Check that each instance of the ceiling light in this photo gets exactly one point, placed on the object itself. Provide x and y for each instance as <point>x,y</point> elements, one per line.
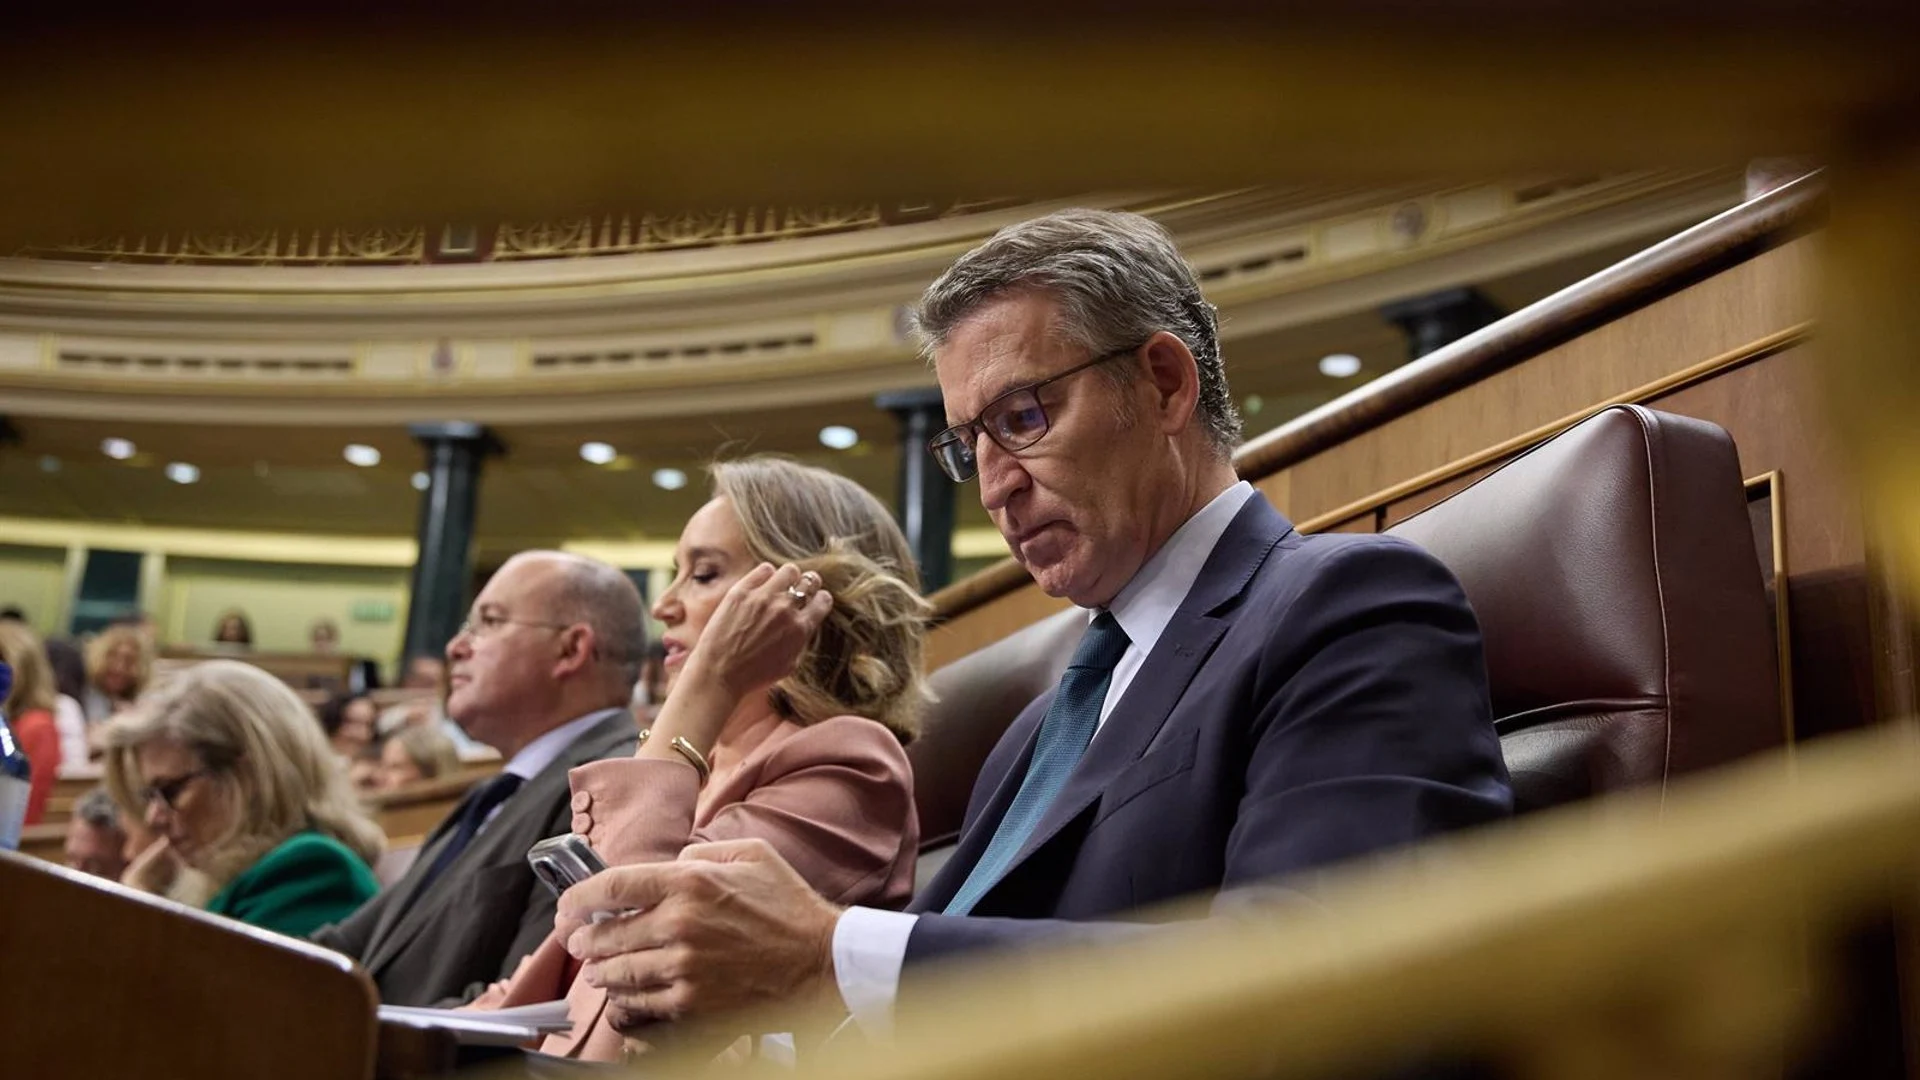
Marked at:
<point>362,455</point>
<point>1339,365</point>
<point>670,479</point>
<point>598,453</point>
<point>420,481</point>
<point>182,473</point>
<point>117,449</point>
<point>838,437</point>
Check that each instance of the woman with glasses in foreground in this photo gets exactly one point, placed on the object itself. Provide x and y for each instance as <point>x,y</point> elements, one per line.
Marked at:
<point>254,817</point>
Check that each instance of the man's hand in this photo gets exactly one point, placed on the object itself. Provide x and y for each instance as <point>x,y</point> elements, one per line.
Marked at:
<point>729,925</point>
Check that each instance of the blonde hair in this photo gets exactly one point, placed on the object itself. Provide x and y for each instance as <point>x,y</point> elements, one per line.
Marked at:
<point>33,686</point>
<point>866,658</point>
<point>430,749</point>
<point>110,639</point>
<point>261,742</point>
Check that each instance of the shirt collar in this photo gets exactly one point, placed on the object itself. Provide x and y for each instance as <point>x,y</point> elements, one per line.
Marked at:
<point>534,757</point>
<point>1146,605</point>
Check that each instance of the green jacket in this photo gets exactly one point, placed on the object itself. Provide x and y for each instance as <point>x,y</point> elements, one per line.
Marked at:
<point>310,880</point>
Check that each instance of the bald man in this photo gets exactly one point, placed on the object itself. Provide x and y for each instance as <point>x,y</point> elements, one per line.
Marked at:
<point>542,671</point>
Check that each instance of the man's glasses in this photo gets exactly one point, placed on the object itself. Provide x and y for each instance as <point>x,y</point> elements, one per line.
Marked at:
<point>484,623</point>
<point>166,791</point>
<point>1014,421</point>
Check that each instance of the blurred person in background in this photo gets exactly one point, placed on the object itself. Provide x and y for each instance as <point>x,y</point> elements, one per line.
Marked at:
<point>119,663</point>
<point>234,630</point>
<point>323,637</point>
<point>12,613</point>
<point>29,708</point>
<point>96,841</point>
<point>69,716</point>
<point>348,720</point>
<point>255,819</point>
<point>413,754</point>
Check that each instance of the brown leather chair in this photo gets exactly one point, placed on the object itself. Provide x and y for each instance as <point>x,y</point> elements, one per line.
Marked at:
<point>1615,576</point>
<point>1614,573</point>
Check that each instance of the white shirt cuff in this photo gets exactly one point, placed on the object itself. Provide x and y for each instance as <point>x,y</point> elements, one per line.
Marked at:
<point>869,949</point>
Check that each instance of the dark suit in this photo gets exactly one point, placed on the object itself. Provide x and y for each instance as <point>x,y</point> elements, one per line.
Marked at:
<point>486,911</point>
<point>1312,699</point>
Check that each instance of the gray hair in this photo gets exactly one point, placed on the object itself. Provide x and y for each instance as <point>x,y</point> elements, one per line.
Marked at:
<point>1118,279</point>
<point>595,593</point>
<point>98,809</point>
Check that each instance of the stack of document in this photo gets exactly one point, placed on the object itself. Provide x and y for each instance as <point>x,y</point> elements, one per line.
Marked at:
<point>489,1027</point>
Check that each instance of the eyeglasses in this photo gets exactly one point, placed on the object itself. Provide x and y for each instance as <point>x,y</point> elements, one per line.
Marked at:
<point>1014,421</point>
<point>168,790</point>
<point>484,623</point>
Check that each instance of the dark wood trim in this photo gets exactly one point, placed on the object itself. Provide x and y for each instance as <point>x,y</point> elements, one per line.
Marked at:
<point>1724,240</point>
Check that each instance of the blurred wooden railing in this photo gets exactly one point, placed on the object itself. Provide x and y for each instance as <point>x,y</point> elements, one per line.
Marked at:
<point>1699,939</point>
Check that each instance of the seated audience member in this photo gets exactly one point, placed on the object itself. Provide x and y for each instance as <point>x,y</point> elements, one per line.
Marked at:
<point>413,754</point>
<point>323,637</point>
<point>1247,703</point>
<point>542,672</point>
<point>792,693</point>
<point>428,673</point>
<point>96,841</point>
<point>119,663</point>
<point>12,613</point>
<point>255,821</point>
<point>652,692</point>
<point>234,630</point>
<point>69,716</point>
<point>29,708</point>
<point>348,721</point>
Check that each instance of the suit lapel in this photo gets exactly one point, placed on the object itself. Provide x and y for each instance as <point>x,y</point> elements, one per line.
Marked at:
<point>1184,646</point>
<point>974,839</point>
<point>504,841</point>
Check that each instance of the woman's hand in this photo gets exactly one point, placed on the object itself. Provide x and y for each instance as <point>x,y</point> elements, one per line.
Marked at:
<point>153,870</point>
<point>760,629</point>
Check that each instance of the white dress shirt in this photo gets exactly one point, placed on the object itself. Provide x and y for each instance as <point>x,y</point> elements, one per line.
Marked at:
<point>534,757</point>
<point>869,945</point>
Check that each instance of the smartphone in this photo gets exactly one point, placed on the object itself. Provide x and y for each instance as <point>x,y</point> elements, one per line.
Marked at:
<point>564,861</point>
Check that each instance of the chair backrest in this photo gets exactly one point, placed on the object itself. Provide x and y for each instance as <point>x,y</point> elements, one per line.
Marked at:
<point>1615,576</point>
<point>1614,573</point>
<point>103,981</point>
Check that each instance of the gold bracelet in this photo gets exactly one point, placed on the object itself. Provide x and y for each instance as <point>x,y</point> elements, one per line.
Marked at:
<point>694,757</point>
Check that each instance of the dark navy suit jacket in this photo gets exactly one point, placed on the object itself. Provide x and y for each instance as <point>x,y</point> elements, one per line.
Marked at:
<point>1314,698</point>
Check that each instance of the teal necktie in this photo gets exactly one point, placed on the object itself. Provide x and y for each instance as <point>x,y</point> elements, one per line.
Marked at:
<point>1064,735</point>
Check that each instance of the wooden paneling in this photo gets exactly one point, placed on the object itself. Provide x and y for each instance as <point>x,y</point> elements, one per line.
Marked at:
<point>988,623</point>
<point>1713,317</point>
<point>104,981</point>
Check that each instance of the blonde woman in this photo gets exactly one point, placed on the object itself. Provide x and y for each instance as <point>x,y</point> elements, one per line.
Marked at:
<point>29,707</point>
<point>793,635</point>
<point>413,754</point>
<point>119,662</point>
<point>254,816</point>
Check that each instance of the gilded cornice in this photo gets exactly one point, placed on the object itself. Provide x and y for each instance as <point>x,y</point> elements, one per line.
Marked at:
<point>793,321</point>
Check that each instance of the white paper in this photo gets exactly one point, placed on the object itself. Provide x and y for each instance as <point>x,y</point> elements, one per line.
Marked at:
<point>486,1027</point>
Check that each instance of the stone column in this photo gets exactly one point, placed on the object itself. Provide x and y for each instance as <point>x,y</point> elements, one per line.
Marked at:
<point>455,452</point>
<point>926,495</point>
<point>1441,318</point>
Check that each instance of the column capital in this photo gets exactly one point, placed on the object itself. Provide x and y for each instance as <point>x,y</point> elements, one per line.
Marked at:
<point>458,431</point>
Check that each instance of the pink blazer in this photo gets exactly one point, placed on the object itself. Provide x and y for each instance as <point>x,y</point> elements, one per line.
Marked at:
<point>835,799</point>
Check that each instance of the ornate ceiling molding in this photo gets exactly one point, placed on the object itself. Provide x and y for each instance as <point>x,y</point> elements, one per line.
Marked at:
<point>674,332</point>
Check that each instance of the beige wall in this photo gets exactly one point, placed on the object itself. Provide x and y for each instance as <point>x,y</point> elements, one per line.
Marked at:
<point>282,600</point>
<point>35,578</point>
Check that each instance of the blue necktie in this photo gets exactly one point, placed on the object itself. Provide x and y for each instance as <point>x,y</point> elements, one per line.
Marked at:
<point>1064,735</point>
<point>473,814</point>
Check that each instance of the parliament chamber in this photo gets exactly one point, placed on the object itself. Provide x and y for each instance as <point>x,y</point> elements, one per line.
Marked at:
<point>1609,318</point>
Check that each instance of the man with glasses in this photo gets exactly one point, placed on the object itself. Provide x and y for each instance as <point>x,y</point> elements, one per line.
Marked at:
<point>542,671</point>
<point>1247,704</point>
